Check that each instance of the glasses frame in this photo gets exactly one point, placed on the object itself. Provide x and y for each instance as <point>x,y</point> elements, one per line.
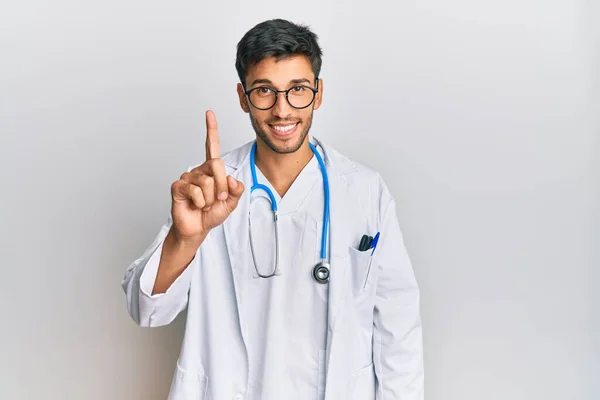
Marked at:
<point>287,92</point>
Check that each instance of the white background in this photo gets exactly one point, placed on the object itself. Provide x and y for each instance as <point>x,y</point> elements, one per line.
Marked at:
<point>483,117</point>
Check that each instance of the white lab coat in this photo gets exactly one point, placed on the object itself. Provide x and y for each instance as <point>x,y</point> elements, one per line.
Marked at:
<point>374,337</point>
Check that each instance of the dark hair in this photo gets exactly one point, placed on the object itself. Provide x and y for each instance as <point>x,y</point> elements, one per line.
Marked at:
<point>277,38</point>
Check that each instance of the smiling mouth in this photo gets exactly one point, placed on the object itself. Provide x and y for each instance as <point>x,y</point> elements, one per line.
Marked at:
<point>283,129</point>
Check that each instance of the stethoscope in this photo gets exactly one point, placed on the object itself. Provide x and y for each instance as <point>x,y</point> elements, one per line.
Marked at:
<point>320,272</point>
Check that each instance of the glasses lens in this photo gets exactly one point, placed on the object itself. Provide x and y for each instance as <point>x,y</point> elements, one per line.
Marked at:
<point>263,97</point>
<point>300,96</point>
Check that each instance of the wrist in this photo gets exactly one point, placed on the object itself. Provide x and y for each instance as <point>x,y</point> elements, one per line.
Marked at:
<point>184,243</point>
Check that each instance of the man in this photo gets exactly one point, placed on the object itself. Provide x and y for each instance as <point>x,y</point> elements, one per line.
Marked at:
<point>307,302</point>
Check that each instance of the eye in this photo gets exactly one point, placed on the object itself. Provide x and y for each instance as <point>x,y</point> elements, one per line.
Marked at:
<point>298,89</point>
<point>264,90</point>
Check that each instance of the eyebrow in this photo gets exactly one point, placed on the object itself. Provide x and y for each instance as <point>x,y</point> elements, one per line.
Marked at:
<point>293,81</point>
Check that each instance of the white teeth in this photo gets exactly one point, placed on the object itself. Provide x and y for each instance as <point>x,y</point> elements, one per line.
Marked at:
<point>283,129</point>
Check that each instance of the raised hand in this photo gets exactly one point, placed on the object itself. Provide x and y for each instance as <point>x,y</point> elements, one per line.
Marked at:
<point>205,196</point>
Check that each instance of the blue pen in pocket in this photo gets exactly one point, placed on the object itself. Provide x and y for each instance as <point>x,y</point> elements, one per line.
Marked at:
<point>373,246</point>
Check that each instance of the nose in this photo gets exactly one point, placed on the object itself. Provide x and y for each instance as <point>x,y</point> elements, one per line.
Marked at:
<point>282,108</point>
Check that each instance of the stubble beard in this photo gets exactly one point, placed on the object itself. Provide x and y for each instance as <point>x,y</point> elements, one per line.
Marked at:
<point>279,149</point>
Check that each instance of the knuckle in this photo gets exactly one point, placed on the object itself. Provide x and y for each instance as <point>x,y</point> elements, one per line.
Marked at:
<point>185,176</point>
<point>175,186</point>
<point>193,176</point>
<point>197,194</point>
<point>196,169</point>
<point>205,180</point>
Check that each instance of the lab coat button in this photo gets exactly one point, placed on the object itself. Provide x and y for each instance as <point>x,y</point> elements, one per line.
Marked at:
<point>238,397</point>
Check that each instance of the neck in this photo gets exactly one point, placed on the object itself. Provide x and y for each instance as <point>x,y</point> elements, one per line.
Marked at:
<point>282,169</point>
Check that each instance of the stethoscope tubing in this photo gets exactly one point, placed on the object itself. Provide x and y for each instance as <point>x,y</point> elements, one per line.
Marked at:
<point>325,227</point>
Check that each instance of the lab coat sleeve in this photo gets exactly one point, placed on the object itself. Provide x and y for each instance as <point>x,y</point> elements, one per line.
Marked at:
<point>397,334</point>
<point>150,310</point>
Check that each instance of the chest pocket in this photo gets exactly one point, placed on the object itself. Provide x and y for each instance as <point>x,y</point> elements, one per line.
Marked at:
<point>363,270</point>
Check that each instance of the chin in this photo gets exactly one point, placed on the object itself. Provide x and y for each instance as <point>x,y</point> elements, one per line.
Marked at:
<point>282,137</point>
<point>284,142</point>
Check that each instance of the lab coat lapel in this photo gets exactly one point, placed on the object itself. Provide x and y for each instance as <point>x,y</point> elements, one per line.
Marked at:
<point>342,210</point>
<point>236,228</point>
<point>339,235</point>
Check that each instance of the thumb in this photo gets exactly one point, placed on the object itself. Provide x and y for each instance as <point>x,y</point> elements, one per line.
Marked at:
<point>236,188</point>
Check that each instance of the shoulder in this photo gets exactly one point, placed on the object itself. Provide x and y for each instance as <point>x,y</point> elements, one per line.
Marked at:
<point>351,170</point>
<point>364,181</point>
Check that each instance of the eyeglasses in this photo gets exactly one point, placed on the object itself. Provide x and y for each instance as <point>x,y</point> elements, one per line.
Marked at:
<point>265,97</point>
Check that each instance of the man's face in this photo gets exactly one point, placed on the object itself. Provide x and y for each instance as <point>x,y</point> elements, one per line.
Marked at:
<point>283,128</point>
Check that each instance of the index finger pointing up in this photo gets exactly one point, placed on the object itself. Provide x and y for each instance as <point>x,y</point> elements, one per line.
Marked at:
<point>212,136</point>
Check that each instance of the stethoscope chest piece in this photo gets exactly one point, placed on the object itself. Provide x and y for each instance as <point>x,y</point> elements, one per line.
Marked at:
<point>320,272</point>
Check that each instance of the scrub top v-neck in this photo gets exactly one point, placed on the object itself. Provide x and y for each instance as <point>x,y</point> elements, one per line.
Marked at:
<point>288,312</point>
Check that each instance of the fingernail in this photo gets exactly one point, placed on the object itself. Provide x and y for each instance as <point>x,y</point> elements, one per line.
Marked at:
<point>223,196</point>
<point>234,183</point>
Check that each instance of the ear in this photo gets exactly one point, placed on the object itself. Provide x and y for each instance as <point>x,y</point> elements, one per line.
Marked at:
<point>243,99</point>
<point>319,95</point>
